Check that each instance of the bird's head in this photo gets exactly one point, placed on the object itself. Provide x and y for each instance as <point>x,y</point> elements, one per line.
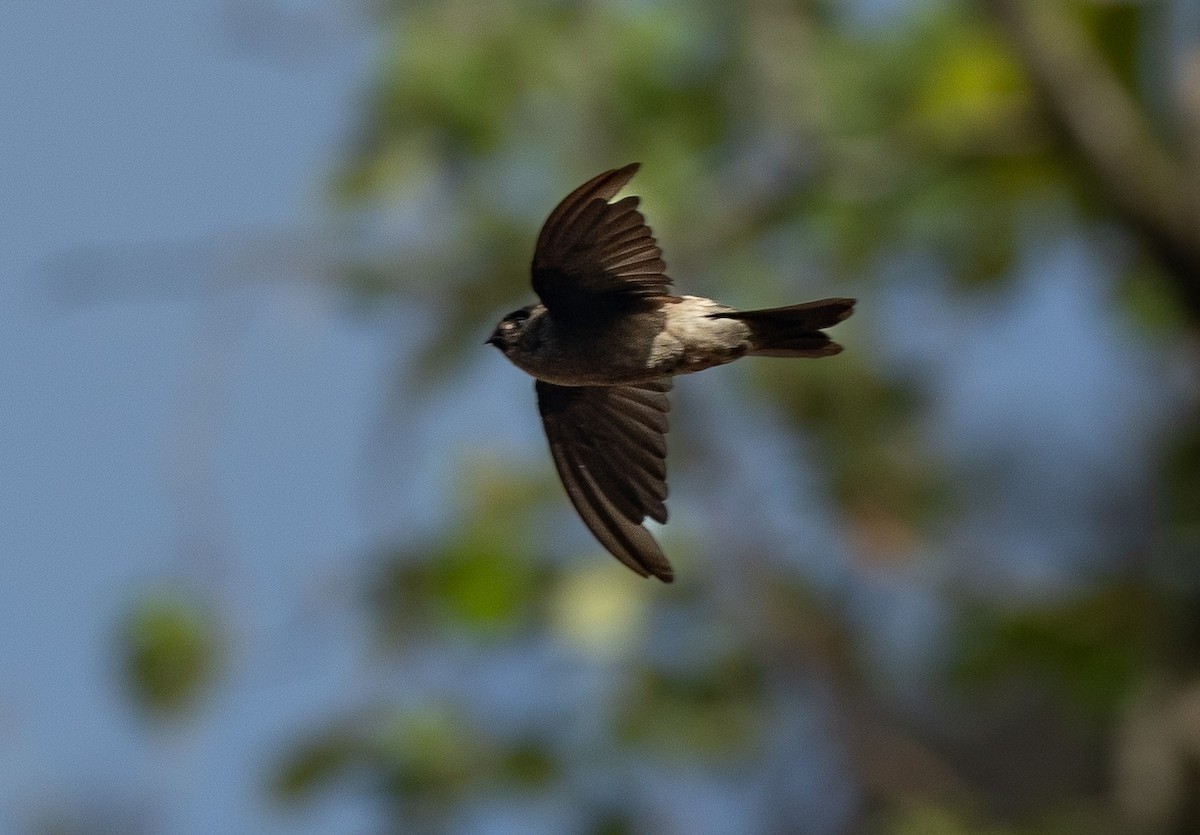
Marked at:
<point>508,332</point>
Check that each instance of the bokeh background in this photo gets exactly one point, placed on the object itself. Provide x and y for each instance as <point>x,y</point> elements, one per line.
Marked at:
<point>282,547</point>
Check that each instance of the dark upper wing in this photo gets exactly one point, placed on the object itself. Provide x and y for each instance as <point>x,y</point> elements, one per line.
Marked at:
<point>592,253</point>
<point>609,445</point>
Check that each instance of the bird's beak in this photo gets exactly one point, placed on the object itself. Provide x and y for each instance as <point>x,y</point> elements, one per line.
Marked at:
<point>492,340</point>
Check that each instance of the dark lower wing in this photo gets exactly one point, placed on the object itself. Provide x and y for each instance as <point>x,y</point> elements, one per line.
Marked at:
<point>609,446</point>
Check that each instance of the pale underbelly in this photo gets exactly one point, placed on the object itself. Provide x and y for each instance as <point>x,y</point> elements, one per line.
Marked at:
<point>683,341</point>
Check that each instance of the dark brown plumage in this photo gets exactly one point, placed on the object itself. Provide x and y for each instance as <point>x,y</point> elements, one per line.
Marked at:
<point>591,251</point>
<point>609,444</point>
<point>604,343</point>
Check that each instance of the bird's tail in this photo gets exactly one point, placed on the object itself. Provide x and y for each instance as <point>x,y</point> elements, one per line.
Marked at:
<point>794,331</point>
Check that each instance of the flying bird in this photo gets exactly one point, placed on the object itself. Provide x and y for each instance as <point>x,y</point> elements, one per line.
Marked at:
<point>603,345</point>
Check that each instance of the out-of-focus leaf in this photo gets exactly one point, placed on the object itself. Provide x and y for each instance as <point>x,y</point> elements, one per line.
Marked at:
<point>1152,306</point>
<point>312,765</point>
<point>1089,649</point>
<point>715,712</point>
<point>961,819</point>
<point>170,647</point>
<point>487,592</point>
<point>970,96</point>
<point>933,820</point>
<point>529,765</point>
<point>1183,479</point>
<point>1118,28</point>
<point>431,753</point>
<point>612,822</point>
<point>483,588</point>
<point>485,579</point>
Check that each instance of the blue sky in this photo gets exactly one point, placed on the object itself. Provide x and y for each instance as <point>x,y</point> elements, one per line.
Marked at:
<point>144,129</point>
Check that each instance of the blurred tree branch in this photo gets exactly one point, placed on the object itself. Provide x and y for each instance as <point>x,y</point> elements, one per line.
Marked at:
<point>1146,182</point>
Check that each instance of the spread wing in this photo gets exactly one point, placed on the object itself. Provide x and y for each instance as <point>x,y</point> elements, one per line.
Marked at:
<point>609,446</point>
<point>592,255</point>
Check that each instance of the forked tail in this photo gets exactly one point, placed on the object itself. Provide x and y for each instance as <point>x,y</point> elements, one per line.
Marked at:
<point>795,330</point>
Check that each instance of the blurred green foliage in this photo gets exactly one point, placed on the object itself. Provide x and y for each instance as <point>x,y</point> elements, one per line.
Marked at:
<point>482,578</point>
<point>171,648</point>
<point>789,150</point>
<point>430,754</point>
<point>1092,649</point>
<point>716,712</point>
